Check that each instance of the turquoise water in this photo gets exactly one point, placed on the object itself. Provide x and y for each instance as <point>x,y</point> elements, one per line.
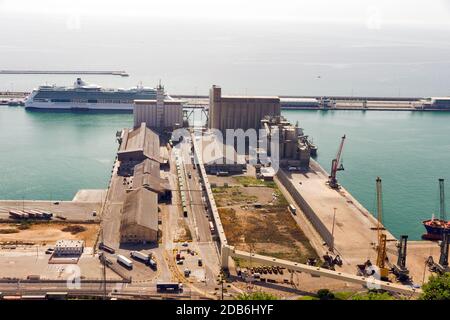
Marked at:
<point>408,150</point>
<point>53,155</point>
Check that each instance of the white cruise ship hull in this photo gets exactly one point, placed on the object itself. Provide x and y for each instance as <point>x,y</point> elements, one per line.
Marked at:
<point>79,106</point>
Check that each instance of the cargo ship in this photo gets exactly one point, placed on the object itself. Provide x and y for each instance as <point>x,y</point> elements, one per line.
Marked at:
<point>437,227</point>
<point>84,96</point>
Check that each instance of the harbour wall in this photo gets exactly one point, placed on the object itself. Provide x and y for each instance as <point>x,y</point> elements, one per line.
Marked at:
<point>306,208</point>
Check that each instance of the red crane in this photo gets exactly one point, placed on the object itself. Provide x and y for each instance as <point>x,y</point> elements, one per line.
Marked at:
<point>336,166</point>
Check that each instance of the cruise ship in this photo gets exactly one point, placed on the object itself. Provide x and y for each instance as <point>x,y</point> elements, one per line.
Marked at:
<point>84,96</point>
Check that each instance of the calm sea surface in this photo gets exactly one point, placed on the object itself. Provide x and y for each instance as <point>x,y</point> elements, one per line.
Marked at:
<point>51,155</point>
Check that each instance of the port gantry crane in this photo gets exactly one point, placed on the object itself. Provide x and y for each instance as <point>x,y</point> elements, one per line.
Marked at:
<point>442,266</point>
<point>400,270</point>
<point>336,166</point>
<point>382,239</point>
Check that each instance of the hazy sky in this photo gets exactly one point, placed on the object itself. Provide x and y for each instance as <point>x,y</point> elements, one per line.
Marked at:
<point>407,12</point>
<point>357,47</point>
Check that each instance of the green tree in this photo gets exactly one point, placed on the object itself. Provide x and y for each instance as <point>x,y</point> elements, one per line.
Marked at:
<point>437,288</point>
<point>325,294</point>
<point>260,295</point>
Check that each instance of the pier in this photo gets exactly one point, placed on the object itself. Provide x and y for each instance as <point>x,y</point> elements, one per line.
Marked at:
<point>76,72</point>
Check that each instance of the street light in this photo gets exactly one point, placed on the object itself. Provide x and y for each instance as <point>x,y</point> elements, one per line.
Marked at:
<point>332,230</point>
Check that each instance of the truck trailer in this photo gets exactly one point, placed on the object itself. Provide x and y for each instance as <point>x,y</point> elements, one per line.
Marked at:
<point>124,261</point>
<point>144,257</point>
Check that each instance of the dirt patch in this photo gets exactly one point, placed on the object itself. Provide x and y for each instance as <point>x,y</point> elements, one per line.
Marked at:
<point>255,218</point>
<point>183,232</point>
<point>228,196</point>
<point>49,232</point>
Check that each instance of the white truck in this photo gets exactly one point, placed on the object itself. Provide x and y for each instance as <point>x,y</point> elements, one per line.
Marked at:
<point>144,257</point>
<point>125,261</point>
<point>152,263</point>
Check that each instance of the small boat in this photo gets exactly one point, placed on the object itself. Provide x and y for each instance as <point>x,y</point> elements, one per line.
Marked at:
<point>313,149</point>
<point>13,103</point>
<point>437,227</point>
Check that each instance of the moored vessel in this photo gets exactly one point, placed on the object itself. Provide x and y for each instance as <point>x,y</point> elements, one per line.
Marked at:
<point>437,227</point>
<point>84,96</point>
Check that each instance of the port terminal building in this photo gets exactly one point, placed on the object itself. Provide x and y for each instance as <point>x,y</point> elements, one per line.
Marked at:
<point>434,103</point>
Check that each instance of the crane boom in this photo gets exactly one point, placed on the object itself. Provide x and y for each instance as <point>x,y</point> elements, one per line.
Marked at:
<point>336,166</point>
<point>382,238</point>
<point>339,153</point>
<point>442,213</point>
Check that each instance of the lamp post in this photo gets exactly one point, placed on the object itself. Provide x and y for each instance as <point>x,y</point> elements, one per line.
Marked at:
<point>332,230</point>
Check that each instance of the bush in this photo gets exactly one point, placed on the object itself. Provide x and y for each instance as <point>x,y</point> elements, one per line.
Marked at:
<point>256,296</point>
<point>24,225</point>
<point>373,296</point>
<point>325,294</point>
<point>74,229</point>
<point>8,231</point>
<point>437,288</point>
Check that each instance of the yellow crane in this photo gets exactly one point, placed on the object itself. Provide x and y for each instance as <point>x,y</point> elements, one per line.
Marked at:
<point>382,239</point>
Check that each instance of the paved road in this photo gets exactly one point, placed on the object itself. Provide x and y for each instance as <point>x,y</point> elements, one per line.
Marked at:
<point>196,204</point>
<point>112,213</point>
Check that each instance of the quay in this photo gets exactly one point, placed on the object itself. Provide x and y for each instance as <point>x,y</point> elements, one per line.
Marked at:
<point>286,102</point>
<point>355,228</point>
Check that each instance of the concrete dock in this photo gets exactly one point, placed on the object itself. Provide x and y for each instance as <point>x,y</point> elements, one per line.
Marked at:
<point>355,228</point>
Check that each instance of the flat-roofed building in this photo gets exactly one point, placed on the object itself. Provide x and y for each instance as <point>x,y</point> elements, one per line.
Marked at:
<point>139,144</point>
<point>300,103</point>
<point>440,102</point>
<point>139,222</point>
<point>69,247</point>
<point>219,158</point>
<point>239,112</point>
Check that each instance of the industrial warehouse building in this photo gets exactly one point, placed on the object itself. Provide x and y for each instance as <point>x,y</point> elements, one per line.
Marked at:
<point>162,114</point>
<point>139,223</point>
<point>147,175</point>
<point>239,112</point>
<point>141,158</point>
<point>139,144</point>
<point>293,146</point>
